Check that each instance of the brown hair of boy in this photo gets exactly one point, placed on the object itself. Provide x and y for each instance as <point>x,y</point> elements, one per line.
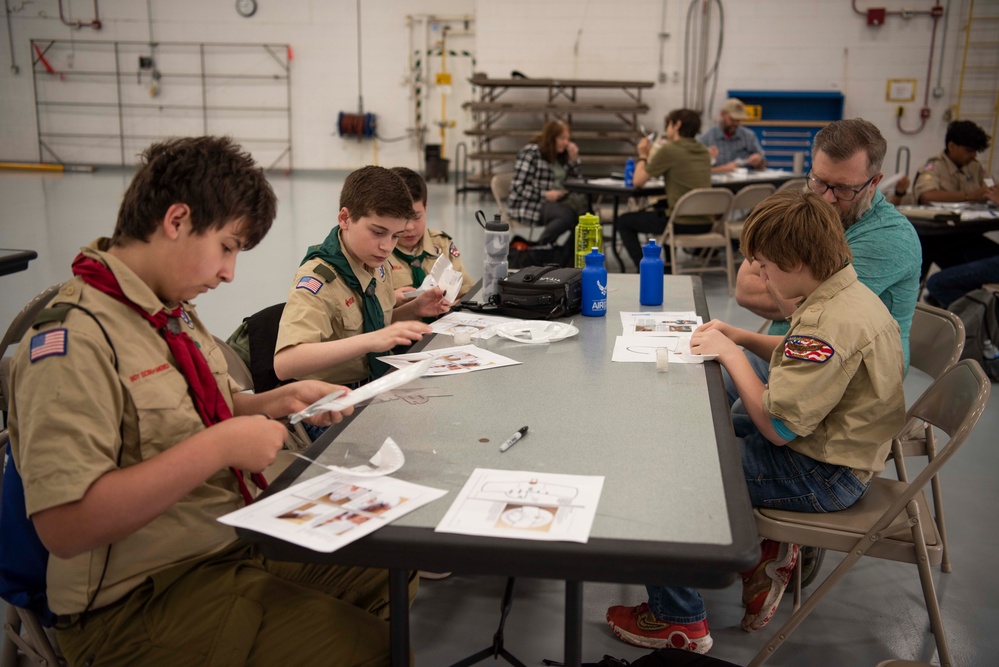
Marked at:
<point>417,186</point>
<point>792,227</point>
<point>376,191</point>
<point>213,176</point>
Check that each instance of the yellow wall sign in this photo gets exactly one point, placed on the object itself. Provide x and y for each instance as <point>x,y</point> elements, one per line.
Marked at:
<point>901,90</point>
<point>444,79</point>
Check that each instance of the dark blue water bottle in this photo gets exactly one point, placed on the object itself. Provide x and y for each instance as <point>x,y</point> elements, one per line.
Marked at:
<point>629,173</point>
<point>650,275</point>
<point>594,285</point>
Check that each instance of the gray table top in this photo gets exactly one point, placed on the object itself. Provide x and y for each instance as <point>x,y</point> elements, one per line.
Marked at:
<point>673,489</point>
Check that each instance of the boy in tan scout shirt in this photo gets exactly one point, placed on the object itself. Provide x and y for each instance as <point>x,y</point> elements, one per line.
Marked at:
<point>813,438</point>
<point>131,439</point>
<point>341,312</point>
<point>419,247</point>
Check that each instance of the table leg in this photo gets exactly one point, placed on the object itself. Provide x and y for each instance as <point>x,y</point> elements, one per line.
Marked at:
<point>399,616</point>
<point>573,623</point>
<point>617,255</point>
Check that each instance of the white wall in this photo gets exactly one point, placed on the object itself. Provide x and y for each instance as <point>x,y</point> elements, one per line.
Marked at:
<point>772,44</point>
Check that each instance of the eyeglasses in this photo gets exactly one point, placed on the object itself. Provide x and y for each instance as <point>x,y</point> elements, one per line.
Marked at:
<point>841,192</point>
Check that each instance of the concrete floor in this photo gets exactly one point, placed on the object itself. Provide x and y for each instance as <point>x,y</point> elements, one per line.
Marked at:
<point>875,614</point>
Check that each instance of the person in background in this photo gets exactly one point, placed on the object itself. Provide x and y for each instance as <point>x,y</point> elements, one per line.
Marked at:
<point>684,164</point>
<point>341,311</point>
<point>811,440</point>
<point>419,247</point>
<point>131,439</point>
<point>947,286</point>
<point>537,194</point>
<point>956,175</point>
<point>731,145</point>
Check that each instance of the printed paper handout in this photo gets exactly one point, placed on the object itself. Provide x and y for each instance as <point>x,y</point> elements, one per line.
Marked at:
<point>330,511</point>
<point>643,348</point>
<point>525,505</point>
<point>660,324</point>
<point>474,324</point>
<point>451,360</point>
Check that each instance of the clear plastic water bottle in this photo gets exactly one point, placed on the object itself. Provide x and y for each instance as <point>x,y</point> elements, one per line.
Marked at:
<point>650,270</point>
<point>629,173</point>
<point>495,267</point>
<point>589,234</point>
<point>594,285</point>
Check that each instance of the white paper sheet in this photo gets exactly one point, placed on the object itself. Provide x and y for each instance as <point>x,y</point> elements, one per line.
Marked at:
<point>475,324</point>
<point>525,505</point>
<point>328,512</point>
<point>451,360</point>
<point>660,324</point>
<point>643,349</point>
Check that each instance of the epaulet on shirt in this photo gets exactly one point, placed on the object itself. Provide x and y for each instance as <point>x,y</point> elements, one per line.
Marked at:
<point>442,234</point>
<point>53,314</point>
<point>325,272</point>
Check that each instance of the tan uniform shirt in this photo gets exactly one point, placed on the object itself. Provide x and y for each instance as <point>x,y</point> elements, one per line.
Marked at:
<point>434,244</point>
<point>326,309</point>
<point>837,379</point>
<point>939,173</point>
<point>73,417</point>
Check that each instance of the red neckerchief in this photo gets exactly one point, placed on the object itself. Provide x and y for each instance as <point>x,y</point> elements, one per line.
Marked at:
<point>208,400</point>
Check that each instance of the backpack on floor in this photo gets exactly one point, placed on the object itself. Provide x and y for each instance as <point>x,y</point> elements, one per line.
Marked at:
<point>979,311</point>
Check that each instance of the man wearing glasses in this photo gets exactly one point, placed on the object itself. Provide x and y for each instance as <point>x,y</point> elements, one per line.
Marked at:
<point>846,170</point>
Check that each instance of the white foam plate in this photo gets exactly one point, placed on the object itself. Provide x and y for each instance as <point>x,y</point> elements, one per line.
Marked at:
<point>536,332</point>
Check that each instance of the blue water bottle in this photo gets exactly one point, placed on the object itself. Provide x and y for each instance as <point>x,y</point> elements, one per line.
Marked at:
<point>650,275</point>
<point>594,285</point>
<point>629,173</point>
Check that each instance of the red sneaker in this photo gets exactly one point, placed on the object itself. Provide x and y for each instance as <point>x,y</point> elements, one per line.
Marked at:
<point>763,587</point>
<point>638,627</point>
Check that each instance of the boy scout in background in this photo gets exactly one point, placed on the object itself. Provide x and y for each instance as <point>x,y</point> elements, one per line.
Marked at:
<point>419,247</point>
<point>815,436</point>
<point>131,439</point>
<point>955,175</point>
<point>341,312</point>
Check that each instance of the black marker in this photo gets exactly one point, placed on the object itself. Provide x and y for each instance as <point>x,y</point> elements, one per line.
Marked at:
<point>513,439</point>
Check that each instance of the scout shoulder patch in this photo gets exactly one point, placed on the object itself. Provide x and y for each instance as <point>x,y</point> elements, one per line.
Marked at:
<point>454,251</point>
<point>310,283</point>
<point>48,344</point>
<point>928,166</point>
<point>807,348</point>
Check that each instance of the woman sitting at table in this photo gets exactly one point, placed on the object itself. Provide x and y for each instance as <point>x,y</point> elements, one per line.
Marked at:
<point>537,195</point>
<point>684,164</point>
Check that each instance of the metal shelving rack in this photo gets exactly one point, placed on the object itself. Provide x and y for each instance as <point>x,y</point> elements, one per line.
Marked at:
<point>102,102</point>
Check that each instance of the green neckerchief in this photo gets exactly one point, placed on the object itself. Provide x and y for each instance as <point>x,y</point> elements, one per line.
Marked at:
<point>371,310</point>
<point>415,263</point>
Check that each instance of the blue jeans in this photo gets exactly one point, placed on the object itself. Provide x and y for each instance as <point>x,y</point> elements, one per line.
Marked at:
<point>776,477</point>
<point>951,284</point>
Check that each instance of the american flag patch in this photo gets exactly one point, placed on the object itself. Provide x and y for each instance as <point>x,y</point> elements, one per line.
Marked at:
<point>310,283</point>
<point>47,344</point>
<point>807,348</point>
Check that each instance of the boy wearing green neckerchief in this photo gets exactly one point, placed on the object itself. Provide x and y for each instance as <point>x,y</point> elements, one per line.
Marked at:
<point>419,247</point>
<point>341,312</point>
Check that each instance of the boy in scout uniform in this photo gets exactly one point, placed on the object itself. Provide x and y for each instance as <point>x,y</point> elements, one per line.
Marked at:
<point>419,247</point>
<point>341,311</point>
<point>813,439</point>
<point>131,440</point>
<point>955,175</point>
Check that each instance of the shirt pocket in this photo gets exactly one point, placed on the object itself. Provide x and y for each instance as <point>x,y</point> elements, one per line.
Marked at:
<point>165,411</point>
<point>348,322</point>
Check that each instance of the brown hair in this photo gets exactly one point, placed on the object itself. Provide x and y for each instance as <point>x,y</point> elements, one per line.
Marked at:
<point>214,176</point>
<point>417,186</point>
<point>375,190</point>
<point>546,139</point>
<point>792,227</point>
<point>841,140</point>
<point>690,121</point>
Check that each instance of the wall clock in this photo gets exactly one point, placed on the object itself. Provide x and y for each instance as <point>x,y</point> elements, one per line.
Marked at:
<point>246,8</point>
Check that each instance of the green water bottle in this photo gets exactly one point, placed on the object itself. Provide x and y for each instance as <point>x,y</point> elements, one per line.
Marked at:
<point>589,235</point>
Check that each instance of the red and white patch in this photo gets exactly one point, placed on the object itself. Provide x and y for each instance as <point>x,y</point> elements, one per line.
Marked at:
<point>454,251</point>
<point>310,284</point>
<point>928,166</point>
<point>48,344</point>
<point>807,348</point>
